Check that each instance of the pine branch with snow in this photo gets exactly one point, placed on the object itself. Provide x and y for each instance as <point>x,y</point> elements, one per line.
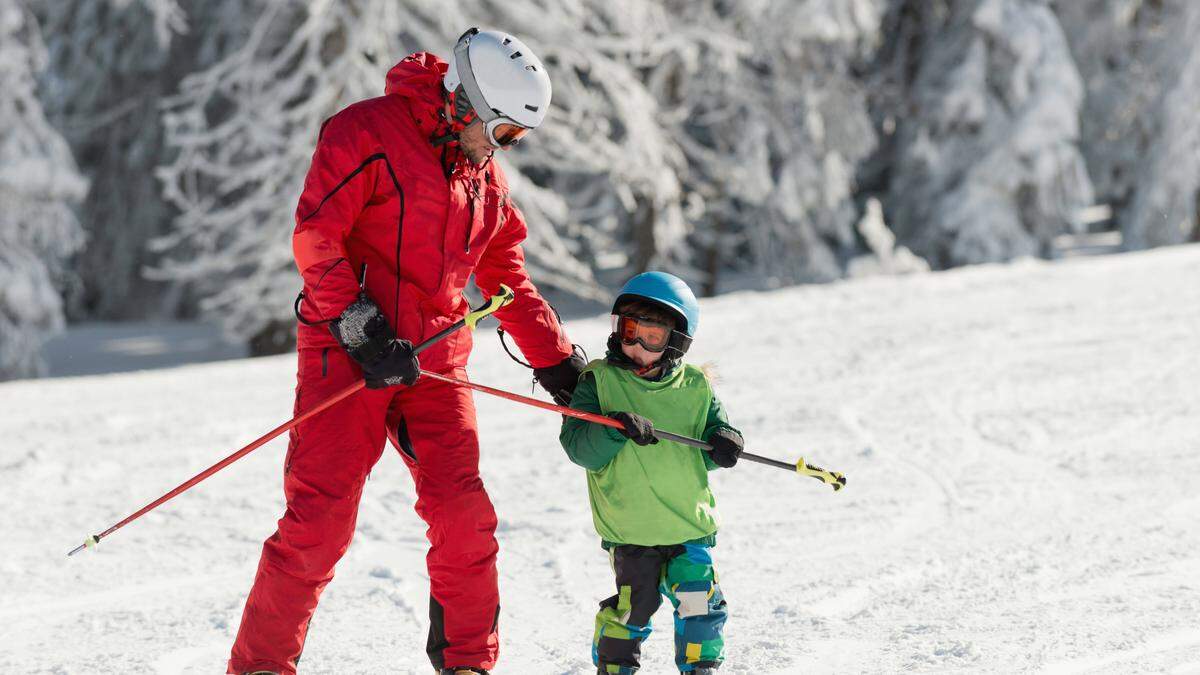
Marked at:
<point>1141,65</point>
<point>986,164</point>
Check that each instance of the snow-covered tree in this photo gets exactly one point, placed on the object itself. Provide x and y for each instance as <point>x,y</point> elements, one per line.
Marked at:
<point>112,63</point>
<point>772,118</point>
<point>38,182</point>
<point>733,143</point>
<point>603,150</point>
<point>679,131</point>
<point>983,99</point>
<point>109,66</point>
<point>700,137</point>
<point>1166,207</point>
<point>1140,62</point>
<point>242,132</point>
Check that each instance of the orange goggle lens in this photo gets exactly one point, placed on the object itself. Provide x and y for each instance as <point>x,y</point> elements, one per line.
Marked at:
<point>652,335</point>
<point>507,134</point>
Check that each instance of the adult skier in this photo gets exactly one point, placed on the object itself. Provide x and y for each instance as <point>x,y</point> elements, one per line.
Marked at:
<point>401,205</point>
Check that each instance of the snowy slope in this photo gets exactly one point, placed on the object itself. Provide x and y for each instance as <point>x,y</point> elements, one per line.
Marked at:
<point>1020,441</point>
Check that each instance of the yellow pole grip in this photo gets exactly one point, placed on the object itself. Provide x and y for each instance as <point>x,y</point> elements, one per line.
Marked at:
<point>833,479</point>
<point>500,299</point>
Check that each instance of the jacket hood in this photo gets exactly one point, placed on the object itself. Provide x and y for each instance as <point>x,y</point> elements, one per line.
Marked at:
<point>418,77</point>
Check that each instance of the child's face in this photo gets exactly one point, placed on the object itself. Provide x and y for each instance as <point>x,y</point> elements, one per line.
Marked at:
<point>640,355</point>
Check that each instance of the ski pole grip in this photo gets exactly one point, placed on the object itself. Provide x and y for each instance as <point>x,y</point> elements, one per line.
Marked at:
<point>502,297</point>
<point>833,479</point>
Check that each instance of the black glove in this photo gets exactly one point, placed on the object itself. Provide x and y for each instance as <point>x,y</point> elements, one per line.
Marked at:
<point>363,331</point>
<point>398,365</point>
<point>560,379</point>
<point>727,446</point>
<point>637,428</point>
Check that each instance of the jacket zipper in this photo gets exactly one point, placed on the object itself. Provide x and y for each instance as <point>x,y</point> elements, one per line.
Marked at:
<point>471,222</point>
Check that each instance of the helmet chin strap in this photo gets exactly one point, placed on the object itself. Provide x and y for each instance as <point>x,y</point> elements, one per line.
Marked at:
<point>650,368</point>
<point>455,126</point>
<point>449,137</point>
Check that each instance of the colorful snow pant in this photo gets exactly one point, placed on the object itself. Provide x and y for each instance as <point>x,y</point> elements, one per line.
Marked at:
<point>684,573</point>
<point>328,459</point>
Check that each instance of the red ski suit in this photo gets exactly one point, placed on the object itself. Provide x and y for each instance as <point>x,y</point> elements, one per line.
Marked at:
<point>377,194</point>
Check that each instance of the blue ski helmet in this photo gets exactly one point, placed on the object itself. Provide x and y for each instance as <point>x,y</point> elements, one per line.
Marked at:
<point>667,290</point>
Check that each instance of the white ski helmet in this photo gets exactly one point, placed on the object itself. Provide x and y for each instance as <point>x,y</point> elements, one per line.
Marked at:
<point>503,82</point>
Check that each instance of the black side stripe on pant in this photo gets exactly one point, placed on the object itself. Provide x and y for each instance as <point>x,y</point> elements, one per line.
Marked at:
<point>436,645</point>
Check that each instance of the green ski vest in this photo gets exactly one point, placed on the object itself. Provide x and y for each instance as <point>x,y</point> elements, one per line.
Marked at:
<point>658,494</point>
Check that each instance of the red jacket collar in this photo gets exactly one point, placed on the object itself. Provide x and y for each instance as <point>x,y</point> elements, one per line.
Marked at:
<point>418,78</point>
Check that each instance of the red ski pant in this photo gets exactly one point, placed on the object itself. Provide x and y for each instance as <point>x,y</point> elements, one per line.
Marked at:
<point>329,456</point>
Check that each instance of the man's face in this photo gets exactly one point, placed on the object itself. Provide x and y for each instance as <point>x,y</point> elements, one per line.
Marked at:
<point>473,140</point>
<point>474,143</point>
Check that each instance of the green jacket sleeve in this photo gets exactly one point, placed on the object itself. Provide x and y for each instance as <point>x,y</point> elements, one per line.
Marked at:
<point>717,419</point>
<point>588,444</point>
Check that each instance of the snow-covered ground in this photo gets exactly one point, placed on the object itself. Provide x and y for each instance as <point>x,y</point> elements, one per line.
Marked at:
<point>1021,444</point>
<point>98,348</point>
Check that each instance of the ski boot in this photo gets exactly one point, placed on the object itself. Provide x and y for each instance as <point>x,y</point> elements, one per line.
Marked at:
<point>463,671</point>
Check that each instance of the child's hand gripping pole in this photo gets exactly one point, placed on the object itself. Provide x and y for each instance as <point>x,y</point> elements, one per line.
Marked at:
<point>832,478</point>
<point>504,296</point>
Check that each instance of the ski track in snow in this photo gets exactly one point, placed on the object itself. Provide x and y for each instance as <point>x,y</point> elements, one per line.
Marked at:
<point>1020,442</point>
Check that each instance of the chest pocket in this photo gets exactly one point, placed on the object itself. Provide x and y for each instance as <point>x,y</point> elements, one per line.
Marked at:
<point>494,201</point>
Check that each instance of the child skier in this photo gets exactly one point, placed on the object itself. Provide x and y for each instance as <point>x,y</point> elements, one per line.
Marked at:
<point>651,503</point>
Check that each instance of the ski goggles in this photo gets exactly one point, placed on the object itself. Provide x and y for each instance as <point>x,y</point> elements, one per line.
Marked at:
<point>503,132</point>
<point>653,335</point>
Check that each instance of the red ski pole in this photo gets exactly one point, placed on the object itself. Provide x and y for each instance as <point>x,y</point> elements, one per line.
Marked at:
<point>95,539</point>
<point>831,478</point>
<point>472,318</point>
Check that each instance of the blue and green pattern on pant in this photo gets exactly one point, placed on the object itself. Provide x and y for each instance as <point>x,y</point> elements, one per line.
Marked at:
<point>684,573</point>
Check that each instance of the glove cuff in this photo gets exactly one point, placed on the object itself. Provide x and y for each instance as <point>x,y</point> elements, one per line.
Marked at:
<point>729,434</point>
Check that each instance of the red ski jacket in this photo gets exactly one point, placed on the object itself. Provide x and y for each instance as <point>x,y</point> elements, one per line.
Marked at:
<point>377,194</point>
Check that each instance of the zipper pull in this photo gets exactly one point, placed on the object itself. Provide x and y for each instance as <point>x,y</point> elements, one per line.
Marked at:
<point>470,227</point>
<point>474,195</point>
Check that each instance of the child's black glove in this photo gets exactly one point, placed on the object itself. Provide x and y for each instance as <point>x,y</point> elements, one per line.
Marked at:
<point>727,446</point>
<point>637,428</point>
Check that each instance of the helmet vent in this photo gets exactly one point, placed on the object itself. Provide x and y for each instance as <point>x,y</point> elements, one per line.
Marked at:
<point>507,40</point>
<point>531,108</point>
<point>515,55</point>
